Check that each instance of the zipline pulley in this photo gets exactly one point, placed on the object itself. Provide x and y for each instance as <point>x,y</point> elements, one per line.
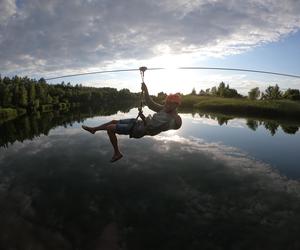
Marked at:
<point>142,71</point>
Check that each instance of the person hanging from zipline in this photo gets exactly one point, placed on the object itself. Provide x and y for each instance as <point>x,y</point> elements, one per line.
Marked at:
<point>165,118</point>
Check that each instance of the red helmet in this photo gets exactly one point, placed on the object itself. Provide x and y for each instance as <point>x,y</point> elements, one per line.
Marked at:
<point>176,98</point>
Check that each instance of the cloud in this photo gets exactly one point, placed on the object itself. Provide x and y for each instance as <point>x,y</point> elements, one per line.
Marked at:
<point>52,36</point>
<point>65,146</point>
<point>7,10</point>
<point>187,183</point>
<point>234,160</point>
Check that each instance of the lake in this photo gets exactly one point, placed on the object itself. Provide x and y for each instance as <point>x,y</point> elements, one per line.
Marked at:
<point>217,183</point>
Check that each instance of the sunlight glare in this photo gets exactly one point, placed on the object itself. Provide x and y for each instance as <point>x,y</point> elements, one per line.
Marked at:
<point>170,80</point>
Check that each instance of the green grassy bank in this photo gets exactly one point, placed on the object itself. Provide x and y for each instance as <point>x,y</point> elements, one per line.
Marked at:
<point>244,107</point>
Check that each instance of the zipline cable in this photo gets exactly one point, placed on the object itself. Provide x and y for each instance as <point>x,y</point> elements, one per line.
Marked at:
<point>99,72</point>
<point>242,70</point>
<point>180,68</point>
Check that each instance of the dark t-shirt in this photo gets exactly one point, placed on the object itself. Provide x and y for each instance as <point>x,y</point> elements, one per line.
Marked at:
<point>159,122</point>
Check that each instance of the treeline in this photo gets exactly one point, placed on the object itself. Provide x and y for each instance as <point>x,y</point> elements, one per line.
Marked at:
<point>274,93</point>
<point>221,91</point>
<point>270,93</point>
<point>24,95</point>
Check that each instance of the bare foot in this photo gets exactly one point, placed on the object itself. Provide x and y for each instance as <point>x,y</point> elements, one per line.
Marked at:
<point>89,129</point>
<point>116,157</point>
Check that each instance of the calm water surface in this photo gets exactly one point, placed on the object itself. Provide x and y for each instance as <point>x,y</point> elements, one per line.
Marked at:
<point>205,186</point>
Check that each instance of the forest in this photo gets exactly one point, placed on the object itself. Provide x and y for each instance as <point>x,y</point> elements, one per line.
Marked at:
<point>21,95</point>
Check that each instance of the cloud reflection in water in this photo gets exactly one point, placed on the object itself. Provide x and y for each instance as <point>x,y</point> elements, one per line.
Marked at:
<point>168,192</point>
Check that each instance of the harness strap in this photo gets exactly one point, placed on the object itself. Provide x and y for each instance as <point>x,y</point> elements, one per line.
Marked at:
<point>142,72</point>
<point>140,108</point>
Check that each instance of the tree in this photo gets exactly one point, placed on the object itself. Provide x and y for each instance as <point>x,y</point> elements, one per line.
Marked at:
<point>23,99</point>
<point>193,92</point>
<point>5,95</point>
<point>231,93</point>
<point>7,100</point>
<point>254,94</point>
<point>271,126</point>
<point>124,93</point>
<point>214,91</point>
<point>221,89</point>
<point>49,99</point>
<point>31,93</point>
<point>2,88</point>
<point>222,120</point>
<point>252,124</point>
<point>289,129</point>
<point>272,93</point>
<point>224,91</point>
<point>6,80</point>
<point>41,93</point>
<point>28,93</point>
<point>15,95</point>
<point>202,93</point>
<point>292,94</point>
<point>55,100</point>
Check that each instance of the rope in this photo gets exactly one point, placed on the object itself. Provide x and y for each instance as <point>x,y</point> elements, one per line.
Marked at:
<point>142,72</point>
<point>140,108</point>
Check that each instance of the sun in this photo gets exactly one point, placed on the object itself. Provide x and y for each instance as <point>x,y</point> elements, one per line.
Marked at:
<point>172,79</point>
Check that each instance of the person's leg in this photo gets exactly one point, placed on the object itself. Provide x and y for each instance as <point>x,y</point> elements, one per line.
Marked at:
<point>111,129</point>
<point>101,127</point>
<point>115,126</point>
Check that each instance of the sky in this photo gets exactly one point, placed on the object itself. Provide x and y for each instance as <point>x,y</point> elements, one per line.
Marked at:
<point>53,38</point>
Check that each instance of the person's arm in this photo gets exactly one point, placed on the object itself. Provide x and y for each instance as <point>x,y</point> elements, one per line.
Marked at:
<point>150,103</point>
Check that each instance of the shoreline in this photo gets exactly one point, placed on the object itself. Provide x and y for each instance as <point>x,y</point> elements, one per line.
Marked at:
<point>244,108</point>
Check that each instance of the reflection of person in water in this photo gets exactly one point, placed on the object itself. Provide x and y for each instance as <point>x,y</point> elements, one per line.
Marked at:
<point>165,118</point>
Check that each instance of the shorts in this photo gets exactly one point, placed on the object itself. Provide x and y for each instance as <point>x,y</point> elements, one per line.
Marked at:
<point>125,126</point>
<point>131,127</point>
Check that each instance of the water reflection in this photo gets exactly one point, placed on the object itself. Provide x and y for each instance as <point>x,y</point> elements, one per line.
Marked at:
<point>205,186</point>
<point>279,150</point>
<point>169,192</point>
<point>289,127</point>
<point>28,127</point>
